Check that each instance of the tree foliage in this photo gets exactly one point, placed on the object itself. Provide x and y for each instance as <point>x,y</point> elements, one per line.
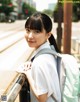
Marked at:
<point>27,9</point>
<point>75,8</point>
<point>6,6</point>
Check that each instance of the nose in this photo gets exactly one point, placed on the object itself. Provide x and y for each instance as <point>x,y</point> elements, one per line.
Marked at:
<point>30,35</point>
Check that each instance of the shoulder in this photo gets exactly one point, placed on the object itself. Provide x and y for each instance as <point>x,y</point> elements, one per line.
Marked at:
<point>44,60</point>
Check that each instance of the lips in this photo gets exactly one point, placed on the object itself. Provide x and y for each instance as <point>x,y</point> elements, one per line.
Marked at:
<point>31,41</point>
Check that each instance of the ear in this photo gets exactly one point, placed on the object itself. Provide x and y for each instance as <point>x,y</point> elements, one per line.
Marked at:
<point>49,34</point>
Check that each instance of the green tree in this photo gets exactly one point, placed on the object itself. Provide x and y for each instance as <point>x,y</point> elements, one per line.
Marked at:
<point>27,9</point>
<point>76,9</point>
<point>6,6</point>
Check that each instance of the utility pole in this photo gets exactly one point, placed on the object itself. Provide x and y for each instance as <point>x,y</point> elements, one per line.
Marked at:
<point>59,28</point>
<point>67,26</point>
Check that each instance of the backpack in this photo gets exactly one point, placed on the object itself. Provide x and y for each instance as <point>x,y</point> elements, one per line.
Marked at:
<point>68,73</point>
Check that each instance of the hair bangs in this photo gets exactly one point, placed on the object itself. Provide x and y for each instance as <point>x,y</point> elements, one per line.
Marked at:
<point>34,24</point>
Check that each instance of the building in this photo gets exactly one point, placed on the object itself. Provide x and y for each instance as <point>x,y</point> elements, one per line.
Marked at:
<point>15,13</point>
<point>20,2</point>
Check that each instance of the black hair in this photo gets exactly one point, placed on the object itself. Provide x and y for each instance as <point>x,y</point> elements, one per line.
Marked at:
<point>38,21</point>
<point>52,41</point>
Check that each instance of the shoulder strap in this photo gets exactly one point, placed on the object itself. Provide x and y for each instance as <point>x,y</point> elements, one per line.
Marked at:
<point>52,52</point>
<point>47,51</point>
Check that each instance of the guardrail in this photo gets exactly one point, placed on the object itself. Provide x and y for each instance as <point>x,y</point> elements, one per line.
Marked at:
<point>13,51</point>
<point>13,90</point>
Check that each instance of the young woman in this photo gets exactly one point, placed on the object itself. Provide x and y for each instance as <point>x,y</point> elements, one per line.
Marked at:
<point>41,73</point>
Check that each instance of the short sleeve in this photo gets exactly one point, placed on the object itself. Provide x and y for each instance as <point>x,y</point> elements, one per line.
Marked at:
<point>39,80</point>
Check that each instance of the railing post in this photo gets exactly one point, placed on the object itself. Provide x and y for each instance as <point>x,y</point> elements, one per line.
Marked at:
<point>59,28</point>
<point>24,94</point>
<point>67,27</point>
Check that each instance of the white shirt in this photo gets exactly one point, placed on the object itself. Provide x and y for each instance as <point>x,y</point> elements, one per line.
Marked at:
<point>45,75</point>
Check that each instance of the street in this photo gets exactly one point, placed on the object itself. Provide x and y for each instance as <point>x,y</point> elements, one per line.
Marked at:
<point>7,28</point>
<point>75,29</point>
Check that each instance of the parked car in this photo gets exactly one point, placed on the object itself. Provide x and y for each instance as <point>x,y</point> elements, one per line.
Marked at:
<point>11,19</point>
<point>2,17</point>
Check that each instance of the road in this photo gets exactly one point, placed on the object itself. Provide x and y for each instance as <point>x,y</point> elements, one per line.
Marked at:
<point>19,26</point>
<point>75,29</point>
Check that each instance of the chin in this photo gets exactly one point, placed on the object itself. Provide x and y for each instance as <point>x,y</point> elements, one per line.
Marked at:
<point>31,46</point>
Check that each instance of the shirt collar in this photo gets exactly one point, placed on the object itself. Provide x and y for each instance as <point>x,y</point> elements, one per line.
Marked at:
<point>45,45</point>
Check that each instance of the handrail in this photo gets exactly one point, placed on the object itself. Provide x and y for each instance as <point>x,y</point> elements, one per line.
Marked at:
<point>12,91</point>
<point>16,87</point>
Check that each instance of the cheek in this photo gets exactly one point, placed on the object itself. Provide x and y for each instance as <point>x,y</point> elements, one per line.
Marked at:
<point>26,36</point>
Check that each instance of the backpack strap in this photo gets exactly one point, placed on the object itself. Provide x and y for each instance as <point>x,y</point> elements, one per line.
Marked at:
<point>52,52</point>
<point>44,51</point>
<point>58,66</point>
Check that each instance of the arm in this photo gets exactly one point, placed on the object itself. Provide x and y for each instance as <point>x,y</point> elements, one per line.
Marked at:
<point>41,98</point>
<point>26,69</point>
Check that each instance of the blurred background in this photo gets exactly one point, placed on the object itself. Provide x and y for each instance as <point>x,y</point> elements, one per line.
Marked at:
<point>20,9</point>
<point>65,15</point>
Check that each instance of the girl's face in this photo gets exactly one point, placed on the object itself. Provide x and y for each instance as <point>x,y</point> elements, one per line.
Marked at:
<point>35,38</point>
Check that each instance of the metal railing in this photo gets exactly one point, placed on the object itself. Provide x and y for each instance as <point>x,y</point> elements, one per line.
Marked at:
<point>12,92</point>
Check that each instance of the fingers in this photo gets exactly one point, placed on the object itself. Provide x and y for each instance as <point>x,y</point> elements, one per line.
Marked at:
<point>27,66</point>
<point>24,67</point>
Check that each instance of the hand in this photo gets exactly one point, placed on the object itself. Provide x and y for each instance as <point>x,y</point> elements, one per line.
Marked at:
<point>24,67</point>
<point>27,66</point>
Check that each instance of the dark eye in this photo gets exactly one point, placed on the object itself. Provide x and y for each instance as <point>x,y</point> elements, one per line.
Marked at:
<point>27,30</point>
<point>36,31</point>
